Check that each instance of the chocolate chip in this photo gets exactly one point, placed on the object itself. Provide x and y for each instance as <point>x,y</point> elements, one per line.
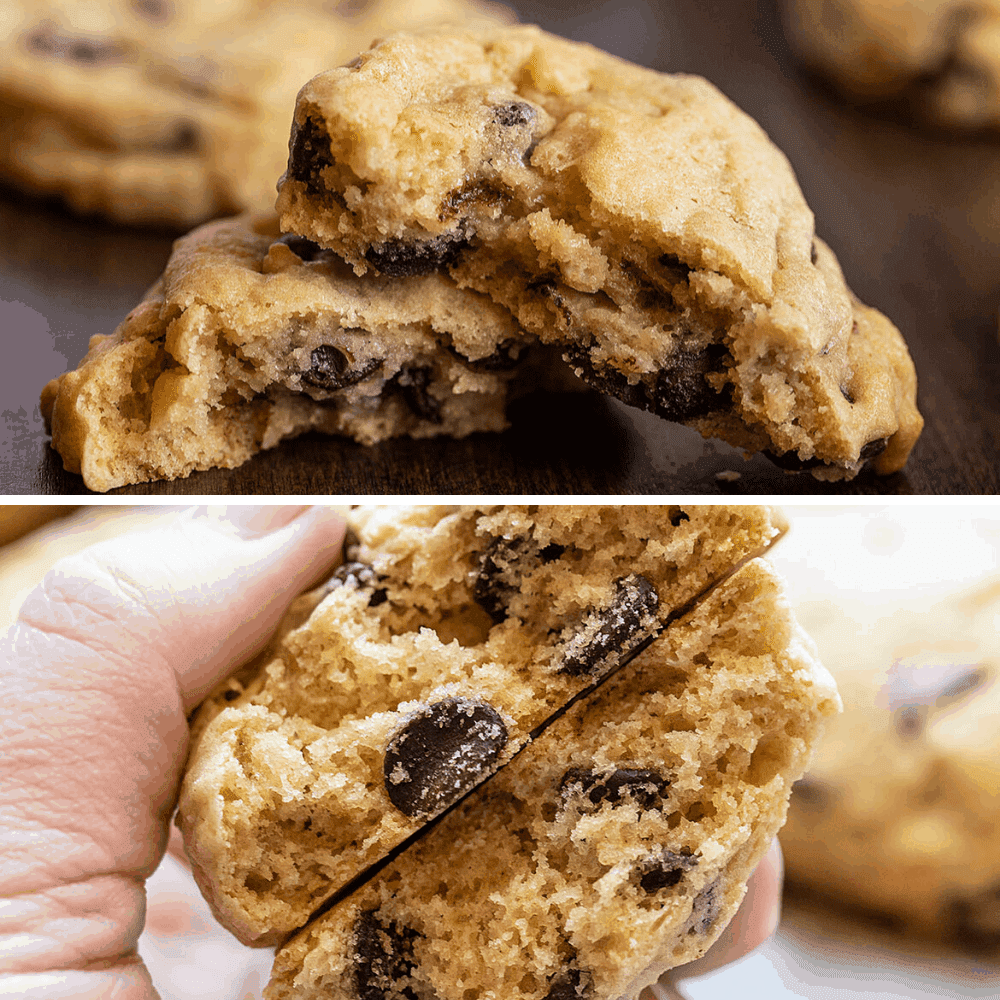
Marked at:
<point>330,369</point>
<point>90,50</point>
<point>514,114</point>
<point>642,785</point>
<point>675,269</point>
<point>665,870</point>
<point>505,358</point>
<point>611,636</point>
<point>975,920</point>
<point>678,517</point>
<point>303,248</point>
<point>569,985</point>
<point>356,574</point>
<point>705,909</point>
<point>308,155</point>
<point>441,752</point>
<point>413,384</point>
<point>156,10</point>
<point>406,258</point>
<point>383,957</point>
<point>791,462</point>
<point>813,256</point>
<point>499,576</point>
<point>681,391</point>
<point>846,393</point>
<point>910,720</point>
<point>231,694</point>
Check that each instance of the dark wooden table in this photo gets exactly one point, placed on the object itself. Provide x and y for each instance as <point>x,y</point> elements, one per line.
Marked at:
<point>914,218</point>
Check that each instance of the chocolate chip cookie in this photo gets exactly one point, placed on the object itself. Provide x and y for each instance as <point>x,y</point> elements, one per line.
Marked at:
<point>172,111</point>
<point>447,638</point>
<point>251,337</point>
<point>942,57</point>
<point>899,813</point>
<point>637,221</point>
<point>615,846</point>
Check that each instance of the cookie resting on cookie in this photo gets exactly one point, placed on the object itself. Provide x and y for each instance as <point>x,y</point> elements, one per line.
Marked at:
<point>899,813</point>
<point>942,57</point>
<point>250,337</point>
<point>446,639</point>
<point>636,220</point>
<point>615,846</point>
<point>173,111</point>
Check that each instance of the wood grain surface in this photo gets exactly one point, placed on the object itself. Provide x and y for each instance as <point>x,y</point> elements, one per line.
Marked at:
<point>913,215</point>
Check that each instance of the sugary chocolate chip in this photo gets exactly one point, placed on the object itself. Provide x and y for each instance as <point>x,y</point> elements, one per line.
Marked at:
<point>301,246</point>
<point>357,574</point>
<point>406,258</point>
<point>383,957</point>
<point>705,909</point>
<point>975,920</point>
<point>514,114</point>
<point>308,155</point>
<point>611,636</point>
<point>681,391</point>
<point>330,369</point>
<point>441,752</point>
<point>569,985</point>
<point>665,870</point>
<point>846,393</point>
<point>88,49</point>
<point>643,785</point>
<point>413,383</point>
<point>499,577</point>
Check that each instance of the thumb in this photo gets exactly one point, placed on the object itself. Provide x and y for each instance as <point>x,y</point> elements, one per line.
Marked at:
<point>108,656</point>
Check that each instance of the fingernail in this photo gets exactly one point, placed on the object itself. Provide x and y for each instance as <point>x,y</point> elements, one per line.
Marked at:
<point>254,520</point>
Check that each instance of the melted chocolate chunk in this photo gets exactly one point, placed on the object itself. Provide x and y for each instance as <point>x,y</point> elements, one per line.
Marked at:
<point>406,258</point>
<point>301,246</point>
<point>90,50</point>
<point>665,870</point>
<point>413,384</point>
<point>360,575</point>
<point>308,155</point>
<point>498,578</point>
<point>791,462</point>
<point>331,370</point>
<point>505,358</point>
<point>975,920</point>
<point>383,958</point>
<point>611,636</point>
<point>681,391</point>
<point>569,985</point>
<point>441,752</point>
<point>642,785</point>
<point>706,908</point>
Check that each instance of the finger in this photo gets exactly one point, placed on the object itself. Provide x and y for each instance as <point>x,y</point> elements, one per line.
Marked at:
<point>755,921</point>
<point>109,654</point>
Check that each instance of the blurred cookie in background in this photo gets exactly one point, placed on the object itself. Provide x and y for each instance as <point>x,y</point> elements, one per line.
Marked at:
<point>169,112</point>
<point>939,57</point>
<point>899,814</point>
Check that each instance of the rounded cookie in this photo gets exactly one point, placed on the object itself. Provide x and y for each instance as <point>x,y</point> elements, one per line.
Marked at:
<point>444,641</point>
<point>615,846</point>
<point>899,812</point>
<point>638,221</point>
<point>942,56</point>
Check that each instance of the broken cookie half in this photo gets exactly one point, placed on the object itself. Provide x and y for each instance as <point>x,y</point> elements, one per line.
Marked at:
<point>637,221</point>
<point>615,846</point>
<point>448,638</point>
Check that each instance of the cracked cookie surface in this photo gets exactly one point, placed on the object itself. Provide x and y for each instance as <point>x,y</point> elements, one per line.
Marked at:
<point>172,111</point>
<point>425,663</point>
<point>638,221</point>
<point>615,846</point>
<point>250,337</point>
<point>898,814</point>
<point>941,56</point>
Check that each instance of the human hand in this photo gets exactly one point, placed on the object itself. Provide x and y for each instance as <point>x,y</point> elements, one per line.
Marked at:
<point>108,657</point>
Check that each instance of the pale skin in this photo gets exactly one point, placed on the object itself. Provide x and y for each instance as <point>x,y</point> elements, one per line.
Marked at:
<point>107,659</point>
